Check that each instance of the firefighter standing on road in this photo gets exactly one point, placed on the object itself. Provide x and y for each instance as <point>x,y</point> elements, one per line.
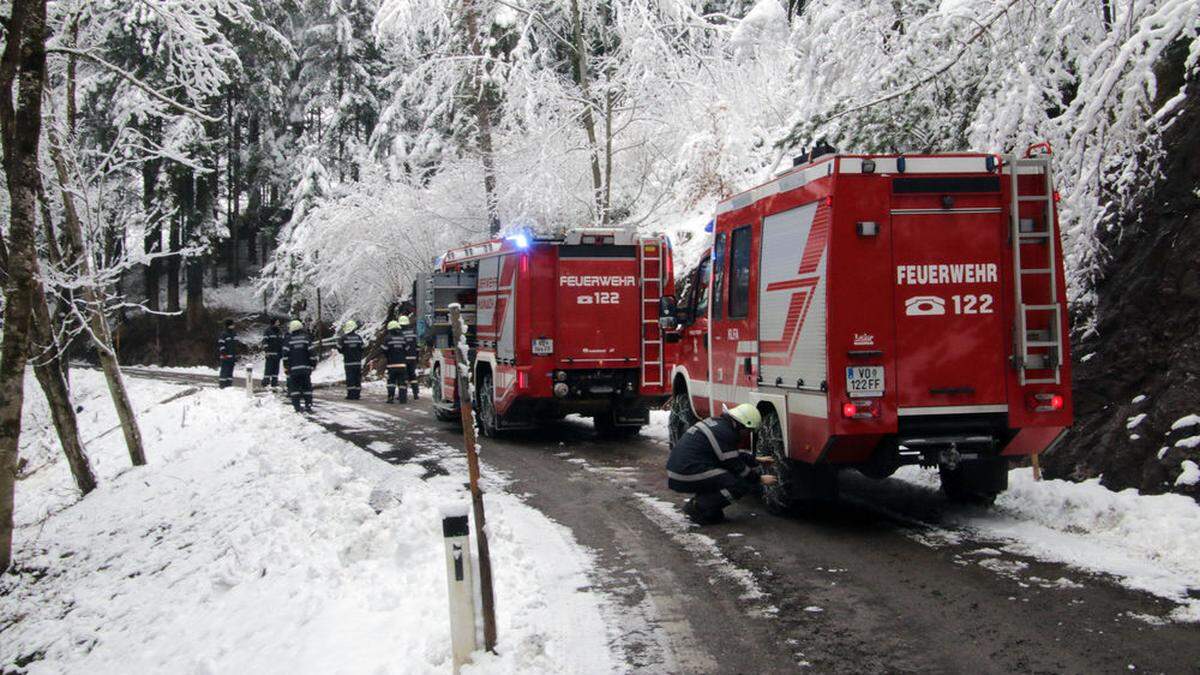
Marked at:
<point>413,348</point>
<point>395,350</point>
<point>298,364</point>
<point>272,343</point>
<point>227,354</point>
<point>707,463</point>
<point>351,346</point>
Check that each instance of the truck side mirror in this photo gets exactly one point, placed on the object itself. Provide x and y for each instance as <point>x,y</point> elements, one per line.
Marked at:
<point>668,311</point>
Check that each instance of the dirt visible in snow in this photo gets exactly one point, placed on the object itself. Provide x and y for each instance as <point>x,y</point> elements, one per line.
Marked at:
<point>1144,356</point>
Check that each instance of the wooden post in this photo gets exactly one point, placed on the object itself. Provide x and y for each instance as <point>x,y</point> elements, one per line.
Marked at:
<point>462,362</point>
<point>1037,466</point>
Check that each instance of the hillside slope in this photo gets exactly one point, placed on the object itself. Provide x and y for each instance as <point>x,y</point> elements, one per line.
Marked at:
<point>1137,373</point>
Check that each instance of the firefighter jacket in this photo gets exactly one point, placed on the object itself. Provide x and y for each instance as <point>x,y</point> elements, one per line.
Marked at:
<point>411,344</point>
<point>272,342</point>
<point>227,346</point>
<point>710,448</point>
<point>396,347</point>
<point>352,346</point>
<point>297,352</point>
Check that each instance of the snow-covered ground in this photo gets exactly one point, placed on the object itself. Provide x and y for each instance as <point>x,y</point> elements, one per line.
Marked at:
<point>1148,543</point>
<point>255,541</point>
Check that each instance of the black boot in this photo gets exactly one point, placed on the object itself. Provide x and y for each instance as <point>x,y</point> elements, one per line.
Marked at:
<point>416,392</point>
<point>693,512</point>
<point>391,394</point>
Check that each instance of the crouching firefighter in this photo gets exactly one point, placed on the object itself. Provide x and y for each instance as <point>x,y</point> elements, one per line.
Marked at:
<point>298,364</point>
<point>706,462</point>
<point>227,354</point>
<point>351,346</point>
<point>395,350</point>
<point>272,344</point>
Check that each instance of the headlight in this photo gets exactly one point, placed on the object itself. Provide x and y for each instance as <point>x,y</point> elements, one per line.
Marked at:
<point>560,376</point>
<point>561,390</point>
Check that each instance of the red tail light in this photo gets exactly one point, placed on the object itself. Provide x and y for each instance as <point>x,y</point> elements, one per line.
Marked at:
<point>849,410</point>
<point>1046,402</point>
<point>522,379</point>
<point>524,264</point>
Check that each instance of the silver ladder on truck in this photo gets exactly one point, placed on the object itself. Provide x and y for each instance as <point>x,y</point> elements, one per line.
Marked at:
<point>1038,348</point>
<point>650,269</point>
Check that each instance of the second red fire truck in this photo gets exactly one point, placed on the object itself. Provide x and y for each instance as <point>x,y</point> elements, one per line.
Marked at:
<point>883,311</point>
<point>554,326</point>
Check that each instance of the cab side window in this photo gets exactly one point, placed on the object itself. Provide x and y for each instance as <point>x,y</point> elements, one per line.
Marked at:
<point>718,262</point>
<point>701,289</point>
<point>739,270</point>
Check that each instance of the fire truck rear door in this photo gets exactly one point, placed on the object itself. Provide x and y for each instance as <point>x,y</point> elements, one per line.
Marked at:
<point>950,336</point>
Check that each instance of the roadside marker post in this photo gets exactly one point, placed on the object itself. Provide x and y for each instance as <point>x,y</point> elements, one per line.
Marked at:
<point>460,584</point>
<point>250,381</point>
<point>468,424</point>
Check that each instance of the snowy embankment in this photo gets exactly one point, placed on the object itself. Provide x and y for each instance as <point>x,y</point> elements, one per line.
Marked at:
<point>1147,542</point>
<point>256,541</point>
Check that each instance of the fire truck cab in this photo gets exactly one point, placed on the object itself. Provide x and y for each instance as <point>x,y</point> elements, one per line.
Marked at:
<point>554,326</point>
<point>881,311</point>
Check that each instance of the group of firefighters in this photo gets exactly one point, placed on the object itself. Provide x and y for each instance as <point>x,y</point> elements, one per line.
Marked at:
<point>398,346</point>
<point>709,461</point>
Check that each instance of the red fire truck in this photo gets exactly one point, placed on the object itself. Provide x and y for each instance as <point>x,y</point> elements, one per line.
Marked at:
<point>882,311</point>
<point>555,326</point>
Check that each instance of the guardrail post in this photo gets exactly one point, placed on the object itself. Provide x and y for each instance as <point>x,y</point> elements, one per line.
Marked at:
<point>460,583</point>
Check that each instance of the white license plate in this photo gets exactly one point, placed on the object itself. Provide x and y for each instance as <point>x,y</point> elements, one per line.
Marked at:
<point>543,347</point>
<point>864,380</point>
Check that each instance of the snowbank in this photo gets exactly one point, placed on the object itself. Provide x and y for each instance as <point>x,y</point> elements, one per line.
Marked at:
<point>256,542</point>
<point>1148,542</point>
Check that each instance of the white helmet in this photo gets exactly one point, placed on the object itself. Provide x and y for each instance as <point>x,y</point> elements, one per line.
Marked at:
<point>747,415</point>
<point>295,325</point>
<point>351,326</point>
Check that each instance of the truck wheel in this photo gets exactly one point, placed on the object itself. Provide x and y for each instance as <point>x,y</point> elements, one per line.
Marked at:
<point>976,482</point>
<point>682,418</point>
<point>439,401</point>
<point>800,485</point>
<point>485,410</point>
<point>769,441</point>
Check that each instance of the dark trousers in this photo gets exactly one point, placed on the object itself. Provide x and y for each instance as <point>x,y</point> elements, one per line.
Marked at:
<point>396,380</point>
<point>713,494</point>
<point>225,379</point>
<point>411,366</point>
<point>299,384</point>
<point>271,374</point>
<point>353,381</point>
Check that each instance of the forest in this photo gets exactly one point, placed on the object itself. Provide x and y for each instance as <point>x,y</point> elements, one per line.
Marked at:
<point>156,149</point>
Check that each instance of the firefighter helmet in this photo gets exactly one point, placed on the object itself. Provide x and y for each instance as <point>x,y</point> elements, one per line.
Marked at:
<point>294,326</point>
<point>747,415</point>
<point>351,326</point>
<point>393,325</point>
<point>403,320</point>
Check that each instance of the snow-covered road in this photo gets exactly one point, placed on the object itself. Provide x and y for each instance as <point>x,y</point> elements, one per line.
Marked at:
<point>1058,577</point>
